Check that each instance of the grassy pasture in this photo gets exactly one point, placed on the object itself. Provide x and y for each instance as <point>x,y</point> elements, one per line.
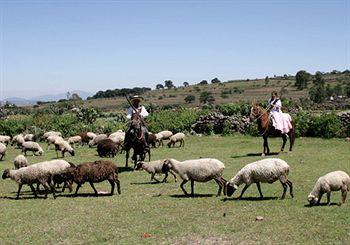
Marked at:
<point>159,213</point>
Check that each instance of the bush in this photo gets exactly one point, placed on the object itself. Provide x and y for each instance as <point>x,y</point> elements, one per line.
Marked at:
<point>233,109</point>
<point>301,121</point>
<point>326,126</point>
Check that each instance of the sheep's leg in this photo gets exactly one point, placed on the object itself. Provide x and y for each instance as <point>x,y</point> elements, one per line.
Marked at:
<point>285,187</point>
<point>153,178</point>
<point>118,186</point>
<point>112,186</point>
<point>319,198</point>
<point>19,190</point>
<point>259,189</point>
<point>220,187</point>
<point>182,186</point>
<point>192,187</point>
<point>93,187</point>
<point>76,190</point>
<point>33,190</point>
<point>52,187</point>
<point>165,178</point>
<point>328,197</point>
<point>175,178</point>
<point>290,187</point>
<point>343,195</point>
<point>46,189</point>
<point>37,187</point>
<point>244,189</point>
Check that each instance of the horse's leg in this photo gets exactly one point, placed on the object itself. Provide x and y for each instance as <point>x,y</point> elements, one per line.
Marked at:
<point>284,138</point>
<point>291,135</point>
<point>127,150</point>
<point>265,146</point>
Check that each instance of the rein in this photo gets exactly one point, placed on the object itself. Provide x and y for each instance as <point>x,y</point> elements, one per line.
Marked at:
<point>263,113</point>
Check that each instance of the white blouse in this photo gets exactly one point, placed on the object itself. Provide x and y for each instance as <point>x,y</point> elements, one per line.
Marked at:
<point>141,108</point>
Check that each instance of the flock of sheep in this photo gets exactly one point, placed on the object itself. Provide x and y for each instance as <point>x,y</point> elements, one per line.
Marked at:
<point>50,174</point>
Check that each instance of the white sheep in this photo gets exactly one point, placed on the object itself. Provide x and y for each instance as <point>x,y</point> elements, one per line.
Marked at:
<point>18,140</point>
<point>117,137</point>
<point>200,170</point>
<point>166,134</point>
<point>2,151</point>
<point>5,139</point>
<point>33,147</point>
<point>39,173</point>
<point>178,137</point>
<point>63,146</point>
<point>153,168</point>
<point>159,139</point>
<point>91,135</point>
<point>47,134</point>
<point>333,181</point>
<point>52,139</point>
<point>266,171</point>
<point>29,137</point>
<point>20,162</point>
<point>75,139</point>
<point>97,139</point>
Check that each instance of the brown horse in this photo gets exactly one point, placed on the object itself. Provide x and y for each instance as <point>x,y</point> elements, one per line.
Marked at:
<point>135,139</point>
<point>266,128</point>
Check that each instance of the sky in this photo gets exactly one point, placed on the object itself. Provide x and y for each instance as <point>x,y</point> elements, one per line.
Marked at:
<point>49,47</point>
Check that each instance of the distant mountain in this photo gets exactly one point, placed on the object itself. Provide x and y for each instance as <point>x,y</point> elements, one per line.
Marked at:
<point>44,98</point>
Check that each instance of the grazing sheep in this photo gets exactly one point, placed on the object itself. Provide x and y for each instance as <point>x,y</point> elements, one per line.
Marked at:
<point>86,137</point>
<point>152,140</point>
<point>179,137</point>
<point>33,147</point>
<point>166,134</point>
<point>20,162</point>
<point>107,148</point>
<point>29,137</point>
<point>93,172</point>
<point>75,139</point>
<point>63,146</point>
<point>200,170</point>
<point>47,134</point>
<point>96,139</point>
<point>39,173</point>
<point>333,181</point>
<point>5,139</point>
<point>52,139</point>
<point>18,140</point>
<point>117,137</point>
<point>159,139</point>
<point>153,168</point>
<point>266,171</point>
<point>2,151</point>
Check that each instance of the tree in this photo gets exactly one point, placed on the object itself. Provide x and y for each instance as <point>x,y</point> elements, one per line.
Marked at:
<point>190,98</point>
<point>301,79</point>
<point>267,80</point>
<point>215,80</point>
<point>159,86</point>
<point>186,84</point>
<point>75,96</point>
<point>319,79</point>
<point>206,97</point>
<point>318,93</point>
<point>203,82</point>
<point>169,84</point>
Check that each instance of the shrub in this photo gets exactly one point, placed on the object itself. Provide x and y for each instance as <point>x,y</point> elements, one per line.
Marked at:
<point>301,121</point>
<point>326,126</point>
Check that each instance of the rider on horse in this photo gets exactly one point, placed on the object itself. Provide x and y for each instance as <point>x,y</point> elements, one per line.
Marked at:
<point>280,120</point>
<point>141,110</point>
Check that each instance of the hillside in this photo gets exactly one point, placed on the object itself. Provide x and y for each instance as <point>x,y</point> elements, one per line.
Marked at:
<point>234,91</point>
<point>225,92</point>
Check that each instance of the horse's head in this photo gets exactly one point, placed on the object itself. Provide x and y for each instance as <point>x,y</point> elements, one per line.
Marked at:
<point>255,111</point>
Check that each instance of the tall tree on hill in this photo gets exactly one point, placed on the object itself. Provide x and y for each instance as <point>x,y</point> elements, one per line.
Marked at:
<point>159,86</point>
<point>186,84</point>
<point>215,80</point>
<point>301,79</point>
<point>206,97</point>
<point>267,80</point>
<point>169,84</point>
<point>203,82</point>
<point>318,92</point>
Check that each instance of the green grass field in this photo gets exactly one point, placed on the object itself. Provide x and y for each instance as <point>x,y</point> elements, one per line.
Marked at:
<point>159,213</point>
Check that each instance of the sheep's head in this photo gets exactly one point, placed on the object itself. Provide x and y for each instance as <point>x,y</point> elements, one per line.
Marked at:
<point>139,165</point>
<point>169,144</point>
<point>312,199</point>
<point>230,188</point>
<point>72,152</point>
<point>166,165</point>
<point>41,151</point>
<point>6,174</point>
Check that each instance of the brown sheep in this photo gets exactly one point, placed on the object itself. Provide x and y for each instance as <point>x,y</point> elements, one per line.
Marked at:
<point>84,138</point>
<point>107,148</point>
<point>93,172</point>
<point>152,140</point>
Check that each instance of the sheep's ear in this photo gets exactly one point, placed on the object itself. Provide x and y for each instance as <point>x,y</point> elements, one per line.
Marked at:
<point>235,187</point>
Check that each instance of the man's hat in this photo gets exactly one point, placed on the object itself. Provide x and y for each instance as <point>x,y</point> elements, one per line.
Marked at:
<point>136,97</point>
